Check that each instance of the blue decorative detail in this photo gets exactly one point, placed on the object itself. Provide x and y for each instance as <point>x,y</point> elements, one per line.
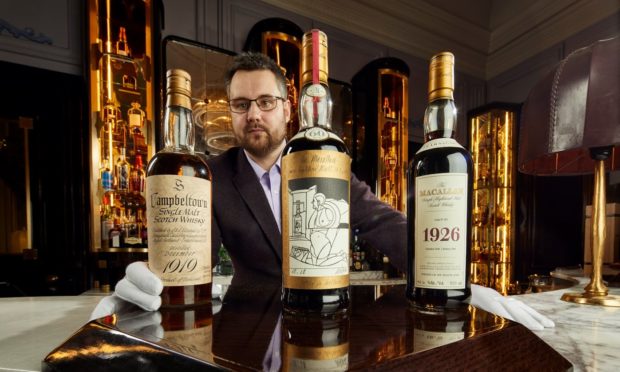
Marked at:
<point>27,33</point>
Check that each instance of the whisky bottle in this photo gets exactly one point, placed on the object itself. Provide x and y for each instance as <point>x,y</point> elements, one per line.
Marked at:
<point>314,343</point>
<point>122,171</point>
<point>440,184</point>
<point>178,189</point>
<point>122,47</point>
<point>316,171</point>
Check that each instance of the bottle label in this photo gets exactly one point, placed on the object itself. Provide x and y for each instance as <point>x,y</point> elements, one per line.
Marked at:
<point>315,219</point>
<point>440,229</point>
<point>329,358</point>
<point>316,134</point>
<point>178,217</point>
<point>316,90</point>
<point>439,143</point>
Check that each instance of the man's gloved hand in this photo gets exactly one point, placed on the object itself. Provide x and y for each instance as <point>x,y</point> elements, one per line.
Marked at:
<point>492,301</point>
<point>139,287</point>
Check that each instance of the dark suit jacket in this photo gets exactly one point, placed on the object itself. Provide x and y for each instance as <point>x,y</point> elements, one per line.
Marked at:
<point>244,223</point>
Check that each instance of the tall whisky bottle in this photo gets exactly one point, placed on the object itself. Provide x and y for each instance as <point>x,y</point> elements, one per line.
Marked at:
<point>440,183</point>
<point>178,211</point>
<point>316,171</point>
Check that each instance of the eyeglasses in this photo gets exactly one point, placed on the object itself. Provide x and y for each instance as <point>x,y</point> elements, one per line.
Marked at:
<point>264,103</point>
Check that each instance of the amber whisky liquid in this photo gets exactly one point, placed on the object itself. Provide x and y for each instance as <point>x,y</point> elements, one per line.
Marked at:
<point>171,163</point>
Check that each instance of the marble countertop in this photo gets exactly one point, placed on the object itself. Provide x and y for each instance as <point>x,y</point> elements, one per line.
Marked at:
<point>588,336</point>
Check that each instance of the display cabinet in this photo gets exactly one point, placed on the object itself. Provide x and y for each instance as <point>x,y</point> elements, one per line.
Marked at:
<point>380,132</point>
<point>492,143</point>
<point>280,39</point>
<point>206,65</point>
<point>121,79</point>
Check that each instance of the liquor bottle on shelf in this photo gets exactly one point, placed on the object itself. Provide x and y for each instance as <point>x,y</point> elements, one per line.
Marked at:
<point>135,207</point>
<point>440,184</point>
<point>122,47</point>
<point>313,343</point>
<point>356,252</point>
<point>137,178</point>
<point>122,172</point>
<point>316,169</point>
<point>105,175</point>
<point>178,188</point>
<point>386,267</point>
<point>107,215</point>
<point>136,122</point>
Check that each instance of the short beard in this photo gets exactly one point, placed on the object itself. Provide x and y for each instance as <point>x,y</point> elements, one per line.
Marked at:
<point>264,147</point>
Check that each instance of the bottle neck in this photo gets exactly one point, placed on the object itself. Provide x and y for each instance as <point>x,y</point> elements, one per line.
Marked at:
<point>440,120</point>
<point>178,126</point>
<point>315,106</point>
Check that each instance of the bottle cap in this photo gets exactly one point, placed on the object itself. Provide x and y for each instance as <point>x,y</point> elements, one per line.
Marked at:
<point>314,55</point>
<point>178,88</point>
<point>441,77</point>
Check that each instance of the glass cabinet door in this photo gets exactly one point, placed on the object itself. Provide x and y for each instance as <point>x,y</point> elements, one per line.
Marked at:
<point>492,143</point>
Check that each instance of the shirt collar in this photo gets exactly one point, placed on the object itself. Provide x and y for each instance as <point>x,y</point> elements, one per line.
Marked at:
<point>259,170</point>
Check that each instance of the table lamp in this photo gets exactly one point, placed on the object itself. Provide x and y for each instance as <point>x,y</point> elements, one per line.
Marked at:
<point>571,126</point>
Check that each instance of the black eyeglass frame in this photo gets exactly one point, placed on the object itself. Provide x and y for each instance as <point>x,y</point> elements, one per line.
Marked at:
<point>269,99</point>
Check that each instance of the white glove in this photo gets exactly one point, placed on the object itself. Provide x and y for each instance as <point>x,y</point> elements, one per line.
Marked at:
<point>139,287</point>
<point>510,308</point>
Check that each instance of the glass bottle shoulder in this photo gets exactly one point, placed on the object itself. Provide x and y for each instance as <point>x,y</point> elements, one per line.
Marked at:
<point>441,160</point>
<point>301,143</point>
<point>178,163</point>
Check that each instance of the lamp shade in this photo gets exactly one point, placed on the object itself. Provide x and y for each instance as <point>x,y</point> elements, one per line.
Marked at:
<point>571,110</point>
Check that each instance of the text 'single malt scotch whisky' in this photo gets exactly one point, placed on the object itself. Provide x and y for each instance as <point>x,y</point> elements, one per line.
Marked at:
<point>440,180</point>
<point>178,197</point>
<point>316,171</point>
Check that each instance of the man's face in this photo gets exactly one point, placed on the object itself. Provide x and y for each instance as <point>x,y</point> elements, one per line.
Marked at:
<point>259,132</point>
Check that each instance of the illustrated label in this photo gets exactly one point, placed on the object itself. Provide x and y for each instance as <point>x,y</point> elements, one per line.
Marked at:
<point>178,214</point>
<point>315,219</point>
<point>440,230</point>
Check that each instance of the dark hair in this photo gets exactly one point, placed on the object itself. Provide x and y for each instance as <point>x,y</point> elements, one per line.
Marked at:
<point>252,61</point>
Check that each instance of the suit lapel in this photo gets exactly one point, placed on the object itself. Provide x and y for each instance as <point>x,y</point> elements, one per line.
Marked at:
<point>253,195</point>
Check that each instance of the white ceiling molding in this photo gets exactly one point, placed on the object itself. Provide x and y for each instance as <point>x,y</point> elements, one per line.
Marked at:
<point>421,29</point>
<point>541,26</point>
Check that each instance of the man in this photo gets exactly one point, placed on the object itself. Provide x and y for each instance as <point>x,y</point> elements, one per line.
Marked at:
<point>246,191</point>
<point>246,179</point>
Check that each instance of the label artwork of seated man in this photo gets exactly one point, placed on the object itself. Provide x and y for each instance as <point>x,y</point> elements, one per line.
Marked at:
<point>326,228</point>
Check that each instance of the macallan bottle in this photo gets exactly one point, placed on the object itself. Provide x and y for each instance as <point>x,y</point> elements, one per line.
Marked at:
<point>316,171</point>
<point>178,210</point>
<point>440,184</point>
